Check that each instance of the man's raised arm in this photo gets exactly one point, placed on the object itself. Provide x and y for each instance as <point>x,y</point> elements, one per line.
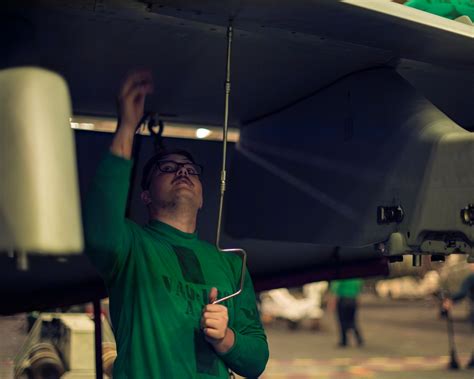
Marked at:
<point>107,233</point>
<point>131,101</point>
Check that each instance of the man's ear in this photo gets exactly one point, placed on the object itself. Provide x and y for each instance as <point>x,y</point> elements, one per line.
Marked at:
<point>145,196</point>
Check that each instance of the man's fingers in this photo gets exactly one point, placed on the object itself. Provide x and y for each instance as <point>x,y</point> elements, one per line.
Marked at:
<point>213,315</point>
<point>212,295</point>
<point>137,79</point>
<point>214,318</point>
<point>137,92</point>
<point>215,308</point>
<point>211,323</point>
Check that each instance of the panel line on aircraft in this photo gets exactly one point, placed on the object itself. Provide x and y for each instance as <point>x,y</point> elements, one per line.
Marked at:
<point>392,61</point>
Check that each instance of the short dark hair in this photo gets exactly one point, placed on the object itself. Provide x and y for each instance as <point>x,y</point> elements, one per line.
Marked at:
<point>151,163</point>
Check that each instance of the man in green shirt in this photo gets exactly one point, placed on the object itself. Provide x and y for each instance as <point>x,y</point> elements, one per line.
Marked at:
<point>466,291</point>
<point>161,278</point>
<point>345,294</point>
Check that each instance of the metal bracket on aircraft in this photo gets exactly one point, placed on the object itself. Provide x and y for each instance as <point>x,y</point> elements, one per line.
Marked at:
<point>390,214</point>
<point>467,215</point>
<point>446,245</point>
<point>438,245</point>
<point>397,245</point>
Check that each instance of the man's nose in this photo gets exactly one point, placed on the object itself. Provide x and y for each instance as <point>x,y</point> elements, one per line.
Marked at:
<point>182,171</point>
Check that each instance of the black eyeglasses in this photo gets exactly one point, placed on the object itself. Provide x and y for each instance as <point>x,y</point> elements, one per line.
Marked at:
<point>167,166</point>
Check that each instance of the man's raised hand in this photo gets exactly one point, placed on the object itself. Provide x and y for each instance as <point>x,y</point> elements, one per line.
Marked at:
<point>131,98</point>
<point>131,103</point>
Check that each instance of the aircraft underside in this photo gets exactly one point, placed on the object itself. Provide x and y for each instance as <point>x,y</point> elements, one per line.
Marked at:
<point>354,124</point>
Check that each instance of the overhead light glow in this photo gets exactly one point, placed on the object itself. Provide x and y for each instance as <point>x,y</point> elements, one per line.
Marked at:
<point>202,132</point>
<point>171,129</point>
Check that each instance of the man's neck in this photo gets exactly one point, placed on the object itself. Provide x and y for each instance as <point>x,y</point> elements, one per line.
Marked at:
<point>183,221</point>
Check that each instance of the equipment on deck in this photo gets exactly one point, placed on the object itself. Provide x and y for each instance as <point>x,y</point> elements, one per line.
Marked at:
<point>62,345</point>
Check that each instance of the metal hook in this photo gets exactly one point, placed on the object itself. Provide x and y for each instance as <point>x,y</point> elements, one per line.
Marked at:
<point>157,136</point>
<point>240,252</point>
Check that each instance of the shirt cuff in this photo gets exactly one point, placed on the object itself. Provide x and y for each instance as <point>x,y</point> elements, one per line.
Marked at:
<point>232,353</point>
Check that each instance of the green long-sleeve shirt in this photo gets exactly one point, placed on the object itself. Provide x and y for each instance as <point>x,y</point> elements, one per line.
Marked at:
<point>158,279</point>
<point>346,287</point>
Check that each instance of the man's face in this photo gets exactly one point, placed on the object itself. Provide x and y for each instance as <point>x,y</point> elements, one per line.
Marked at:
<point>168,189</point>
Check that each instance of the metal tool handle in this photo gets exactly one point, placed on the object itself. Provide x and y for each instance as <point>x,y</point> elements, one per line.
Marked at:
<point>240,252</point>
<point>243,256</point>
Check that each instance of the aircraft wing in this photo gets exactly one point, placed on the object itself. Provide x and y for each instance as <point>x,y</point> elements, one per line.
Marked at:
<point>283,50</point>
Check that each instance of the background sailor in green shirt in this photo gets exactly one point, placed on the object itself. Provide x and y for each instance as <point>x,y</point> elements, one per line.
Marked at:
<point>161,278</point>
<point>466,291</point>
<point>345,293</point>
